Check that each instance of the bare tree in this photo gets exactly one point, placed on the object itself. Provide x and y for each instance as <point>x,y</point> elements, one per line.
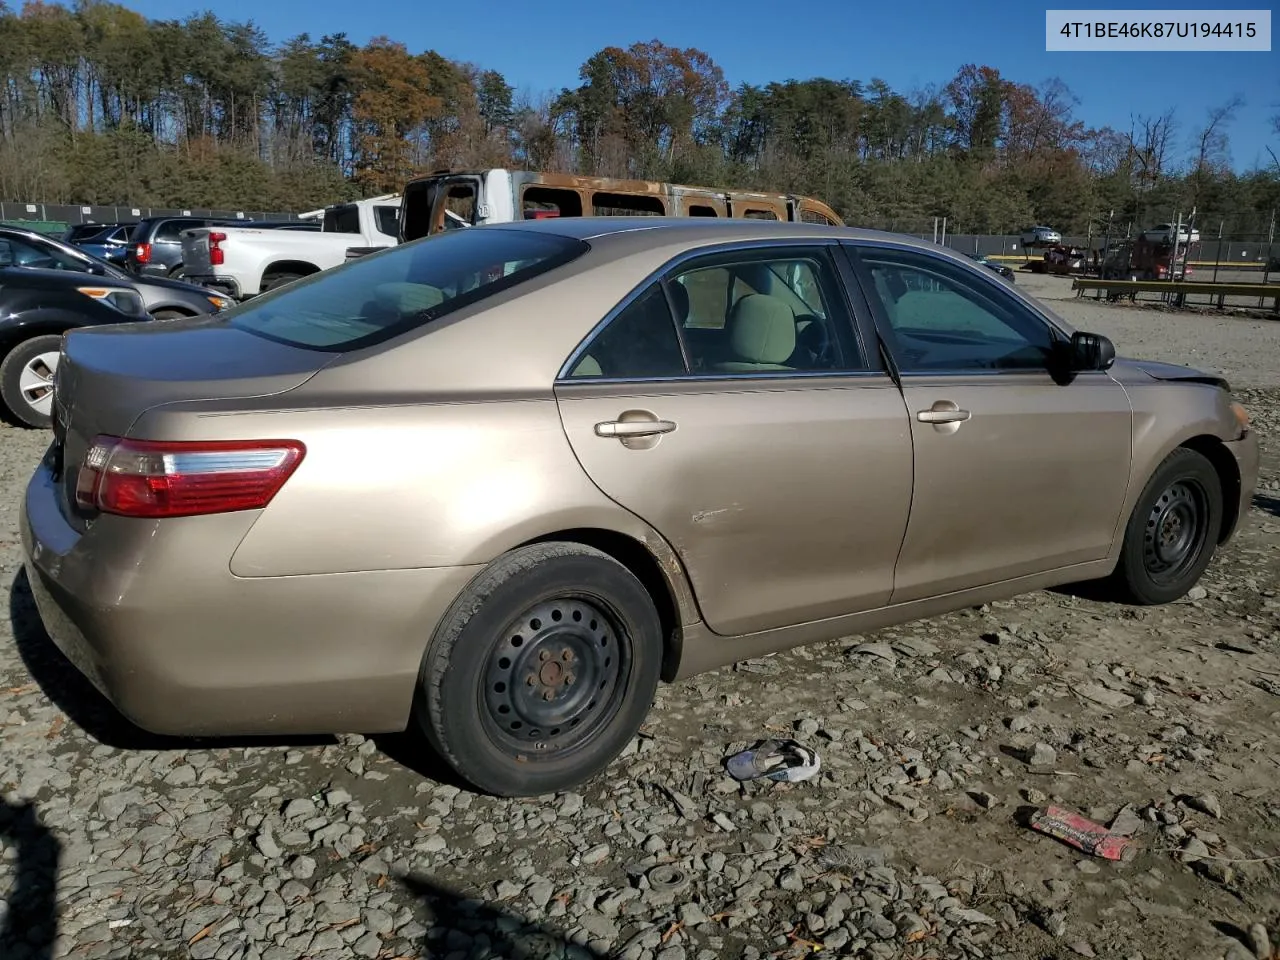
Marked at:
<point>1211,141</point>
<point>1150,139</point>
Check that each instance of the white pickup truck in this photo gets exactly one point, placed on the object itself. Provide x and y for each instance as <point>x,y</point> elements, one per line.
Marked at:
<point>241,262</point>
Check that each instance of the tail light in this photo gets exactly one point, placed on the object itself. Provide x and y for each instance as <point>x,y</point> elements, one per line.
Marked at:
<point>142,253</point>
<point>145,478</point>
<point>216,254</point>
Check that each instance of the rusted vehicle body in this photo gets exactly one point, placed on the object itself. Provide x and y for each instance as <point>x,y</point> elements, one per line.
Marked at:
<point>448,199</point>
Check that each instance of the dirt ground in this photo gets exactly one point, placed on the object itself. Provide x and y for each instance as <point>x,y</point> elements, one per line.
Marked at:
<point>937,738</point>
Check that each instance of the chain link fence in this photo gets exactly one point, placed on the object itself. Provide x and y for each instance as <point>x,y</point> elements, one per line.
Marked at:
<point>57,217</point>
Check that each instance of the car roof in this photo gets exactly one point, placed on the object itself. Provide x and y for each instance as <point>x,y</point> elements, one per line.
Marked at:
<point>662,231</point>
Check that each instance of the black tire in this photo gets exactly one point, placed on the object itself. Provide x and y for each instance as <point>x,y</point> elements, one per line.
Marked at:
<point>169,314</point>
<point>18,406</point>
<point>177,273</point>
<point>500,652</point>
<point>279,280</point>
<point>1173,531</point>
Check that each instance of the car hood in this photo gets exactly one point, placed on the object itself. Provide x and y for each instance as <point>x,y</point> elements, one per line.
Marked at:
<point>1157,370</point>
<point>164,283</point>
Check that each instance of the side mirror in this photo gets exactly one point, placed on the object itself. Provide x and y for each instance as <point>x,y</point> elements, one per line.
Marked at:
<point>1091,351</point>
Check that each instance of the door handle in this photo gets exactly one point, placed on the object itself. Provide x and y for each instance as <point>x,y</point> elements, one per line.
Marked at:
<point>633,428</point>
<point>943,416</point>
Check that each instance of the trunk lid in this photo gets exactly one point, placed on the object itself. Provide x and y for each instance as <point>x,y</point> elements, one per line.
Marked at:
<point>107,377</point>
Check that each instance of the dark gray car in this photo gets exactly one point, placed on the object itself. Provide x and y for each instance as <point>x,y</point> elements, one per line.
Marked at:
<point>165,299</point>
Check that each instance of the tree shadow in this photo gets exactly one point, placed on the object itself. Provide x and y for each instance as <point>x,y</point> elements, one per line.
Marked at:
<point>1267,504</point>
<point>30,925</point>
<point>463,926</point>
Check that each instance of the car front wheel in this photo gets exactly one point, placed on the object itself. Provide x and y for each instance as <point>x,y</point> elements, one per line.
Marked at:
<point>26,380</point>
<point>542,671</point>
<point>1172,532</point>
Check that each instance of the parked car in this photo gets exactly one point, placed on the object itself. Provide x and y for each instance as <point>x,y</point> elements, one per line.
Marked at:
<point>1164,233</point>
<point>36,307</point>
<point>244,259</point>
<point>164,299</point>
<point>1040,237</point>
<point>495,484</point>
<point>155,244</point>
<point>109,243</point>
<point>1001,268</point>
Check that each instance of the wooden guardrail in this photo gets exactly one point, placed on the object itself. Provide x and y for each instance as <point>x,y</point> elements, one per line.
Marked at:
<point>1179,290</point>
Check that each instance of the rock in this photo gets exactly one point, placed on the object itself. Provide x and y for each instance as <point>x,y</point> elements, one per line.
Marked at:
<point>1126,823</point>
<point>1193,849</point>
<point>597,854</point>
<point>1083,948</point>
<point>1206,803</point>
<point>1104,697</point>
<point>302,868</point>
<point>1042,755</point>
<point>299,809</point>
<point>267,845</point>
<point>1260,941</point>
<point>1197,593</point>
<point>983,799</point>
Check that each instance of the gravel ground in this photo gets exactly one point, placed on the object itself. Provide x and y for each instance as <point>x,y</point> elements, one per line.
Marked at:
<point>936,738</point>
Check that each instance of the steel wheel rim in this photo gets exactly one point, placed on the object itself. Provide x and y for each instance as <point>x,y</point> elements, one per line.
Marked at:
<point>35,382</point>
<point>553,680</point>
<point>1175,531</point>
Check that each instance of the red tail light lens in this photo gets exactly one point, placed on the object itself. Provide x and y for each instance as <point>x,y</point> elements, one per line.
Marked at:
<point>144,478</point>
<point>142,253</point>
<point>216,253</point>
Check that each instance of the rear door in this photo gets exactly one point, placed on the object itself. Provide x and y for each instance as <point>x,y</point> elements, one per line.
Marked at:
<point>773,454</point>
<point>1016,473</point>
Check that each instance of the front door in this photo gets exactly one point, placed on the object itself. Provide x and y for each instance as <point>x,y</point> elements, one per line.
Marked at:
<point>768,451</point>
<point>1015,473</point>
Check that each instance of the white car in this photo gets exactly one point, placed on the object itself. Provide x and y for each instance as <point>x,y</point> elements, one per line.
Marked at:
<point>1163,233</point>
<point>240,262</point>
<point>1040,236</point>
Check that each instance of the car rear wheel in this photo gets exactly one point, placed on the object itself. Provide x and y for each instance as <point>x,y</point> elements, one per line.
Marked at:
<point>542,671</point>
<point>279,280</point>
<point>1173,530</point>
<point>26,380</point>
<point>169,314</point>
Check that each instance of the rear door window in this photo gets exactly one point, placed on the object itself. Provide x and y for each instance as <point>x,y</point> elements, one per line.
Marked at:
<point>374,298</point>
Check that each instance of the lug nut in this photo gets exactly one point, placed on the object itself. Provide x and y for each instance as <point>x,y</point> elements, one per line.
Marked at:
<point>544,655</point>
<point>567,656</point>
<point>549,695</point>
<point>531,679</point>
<point>568,679</point>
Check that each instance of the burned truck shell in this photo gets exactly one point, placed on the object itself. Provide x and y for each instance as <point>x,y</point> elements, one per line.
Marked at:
<point>455,198</point>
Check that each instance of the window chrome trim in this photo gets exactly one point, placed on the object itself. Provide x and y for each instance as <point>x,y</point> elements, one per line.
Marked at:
<point>767,375</point>
<point>563,377</point>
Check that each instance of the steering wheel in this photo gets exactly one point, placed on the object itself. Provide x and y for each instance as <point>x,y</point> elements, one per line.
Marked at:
<point>815,337</point>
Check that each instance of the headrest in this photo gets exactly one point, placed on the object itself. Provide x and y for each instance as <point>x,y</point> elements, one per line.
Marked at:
<point>762,329</point>
<point>407,298</point>
<point>680,301</point>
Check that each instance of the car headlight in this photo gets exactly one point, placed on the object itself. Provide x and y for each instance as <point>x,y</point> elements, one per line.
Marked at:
<point>220,303</point>
<point>127,302</point>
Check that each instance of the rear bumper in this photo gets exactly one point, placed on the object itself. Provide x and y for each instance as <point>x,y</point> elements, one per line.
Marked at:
<point>1245,452</point>
<point>181,646</point>
<point>228,286</point>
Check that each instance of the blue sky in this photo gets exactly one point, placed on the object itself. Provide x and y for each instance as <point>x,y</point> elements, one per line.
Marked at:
<point>539,46</point>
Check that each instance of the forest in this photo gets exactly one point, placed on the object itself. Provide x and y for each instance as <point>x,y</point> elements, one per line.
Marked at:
<point>99,105</point>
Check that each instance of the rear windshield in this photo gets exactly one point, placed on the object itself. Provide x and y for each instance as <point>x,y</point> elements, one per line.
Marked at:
<point>376,297</point>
